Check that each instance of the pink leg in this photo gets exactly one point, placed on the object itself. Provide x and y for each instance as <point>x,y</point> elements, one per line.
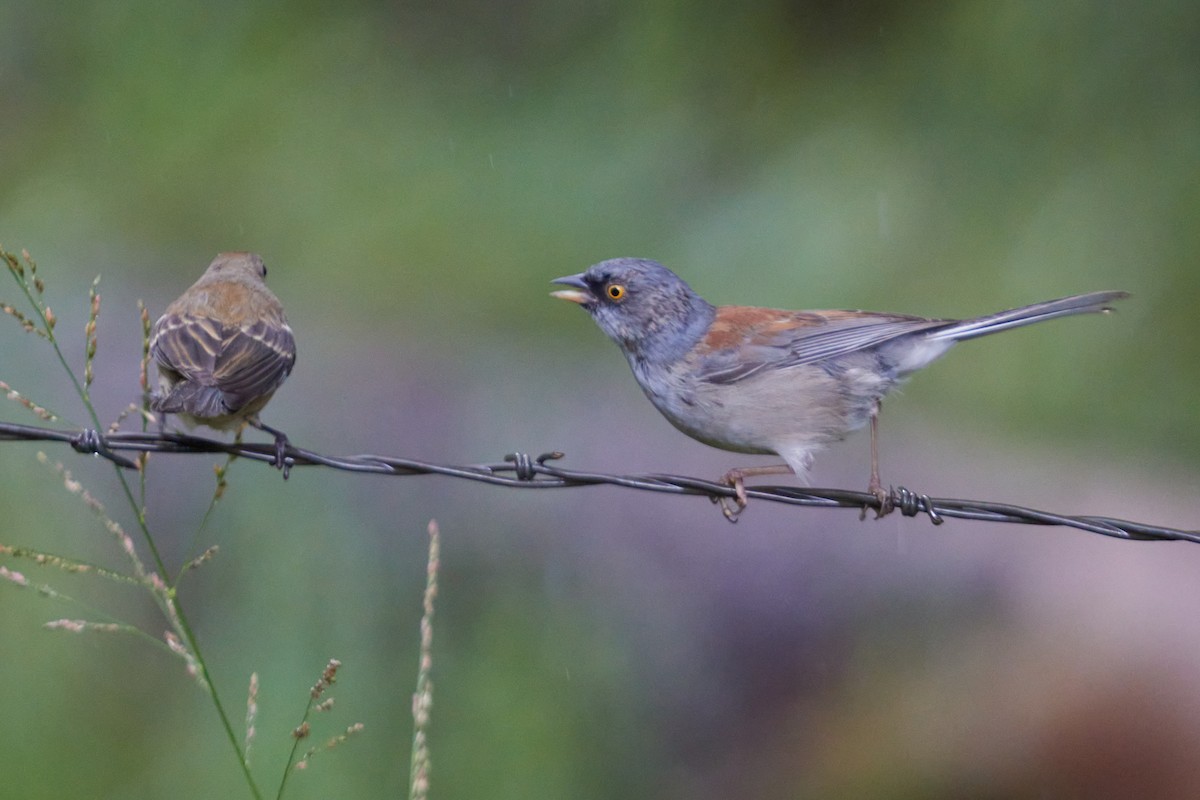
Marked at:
<point>735,479</point>
<point>874,485</point>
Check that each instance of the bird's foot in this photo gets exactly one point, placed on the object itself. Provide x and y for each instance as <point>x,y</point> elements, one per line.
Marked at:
<point>280,460</point>
<point>732,507</point>
<point>884,497</point>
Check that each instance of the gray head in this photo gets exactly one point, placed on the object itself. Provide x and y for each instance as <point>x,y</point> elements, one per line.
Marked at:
<point>644,307</point>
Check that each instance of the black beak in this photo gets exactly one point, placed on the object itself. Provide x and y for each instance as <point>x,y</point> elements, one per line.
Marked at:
<point>580,293</point>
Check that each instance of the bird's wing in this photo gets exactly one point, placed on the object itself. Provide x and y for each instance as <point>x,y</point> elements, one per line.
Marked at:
<point>243,362</point>
<point>188,345</point>
<point>254,360</point>
<point>744,340</point>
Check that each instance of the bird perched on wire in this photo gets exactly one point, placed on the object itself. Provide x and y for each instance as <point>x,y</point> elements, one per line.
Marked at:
<point>763,380</point>
<point>223,348</point>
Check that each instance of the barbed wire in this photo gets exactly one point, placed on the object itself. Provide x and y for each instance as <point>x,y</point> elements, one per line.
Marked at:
<point>520,470</point>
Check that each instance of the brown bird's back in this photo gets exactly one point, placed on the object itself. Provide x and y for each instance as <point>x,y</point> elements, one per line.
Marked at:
<point>224,347</point>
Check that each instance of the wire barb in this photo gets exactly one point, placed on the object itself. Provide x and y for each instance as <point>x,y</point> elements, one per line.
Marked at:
<point>522,466</point>
<point>910,504</point>
<point>518,470</point>
<point>90,442</point>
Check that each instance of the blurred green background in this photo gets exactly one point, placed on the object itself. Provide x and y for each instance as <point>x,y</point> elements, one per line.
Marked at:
<point>415,174</point>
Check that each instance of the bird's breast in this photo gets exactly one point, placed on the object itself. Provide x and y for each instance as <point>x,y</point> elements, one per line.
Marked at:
<point>769,412</point>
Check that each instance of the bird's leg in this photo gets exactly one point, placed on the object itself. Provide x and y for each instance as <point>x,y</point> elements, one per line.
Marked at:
<point>735,478</point>
<point>281,444</point>
<point>874,485</point>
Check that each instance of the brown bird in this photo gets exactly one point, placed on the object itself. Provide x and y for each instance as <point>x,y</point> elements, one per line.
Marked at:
<point>223,348</point>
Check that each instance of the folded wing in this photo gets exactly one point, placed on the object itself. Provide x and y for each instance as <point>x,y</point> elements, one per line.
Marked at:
<point>744,341</point>
<point>243,363</point>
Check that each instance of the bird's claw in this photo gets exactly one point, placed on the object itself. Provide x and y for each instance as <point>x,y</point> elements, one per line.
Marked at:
<point>732,508</point>
<point>281,461</point>
<point>886,500</point>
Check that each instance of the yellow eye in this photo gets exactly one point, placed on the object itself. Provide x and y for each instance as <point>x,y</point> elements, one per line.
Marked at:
<point>615,291</point>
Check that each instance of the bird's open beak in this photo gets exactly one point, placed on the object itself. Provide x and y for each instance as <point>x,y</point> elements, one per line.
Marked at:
<point>581,293</point>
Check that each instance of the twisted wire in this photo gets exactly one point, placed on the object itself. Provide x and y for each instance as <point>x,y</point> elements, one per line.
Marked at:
<point>522,471</point>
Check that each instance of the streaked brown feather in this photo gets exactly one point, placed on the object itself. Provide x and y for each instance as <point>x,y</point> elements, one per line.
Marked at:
<point>229,336</point>
<point>253,362</point>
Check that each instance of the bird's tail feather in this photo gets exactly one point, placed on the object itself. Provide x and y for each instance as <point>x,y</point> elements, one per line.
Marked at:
<point>1094,302</point>
<point>185,397</point>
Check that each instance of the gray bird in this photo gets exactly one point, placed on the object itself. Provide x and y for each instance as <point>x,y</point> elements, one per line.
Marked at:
<point>764,380</point>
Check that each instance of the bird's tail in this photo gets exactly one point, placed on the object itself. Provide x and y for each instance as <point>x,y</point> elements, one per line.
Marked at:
<point>1094,302</point>
<point>185,397</point>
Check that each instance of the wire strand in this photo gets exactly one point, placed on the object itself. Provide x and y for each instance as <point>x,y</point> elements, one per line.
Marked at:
<point>519,470</point>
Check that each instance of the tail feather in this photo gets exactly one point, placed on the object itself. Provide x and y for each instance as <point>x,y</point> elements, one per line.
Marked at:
<point>185,397</point>
<point>1094,302</point>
